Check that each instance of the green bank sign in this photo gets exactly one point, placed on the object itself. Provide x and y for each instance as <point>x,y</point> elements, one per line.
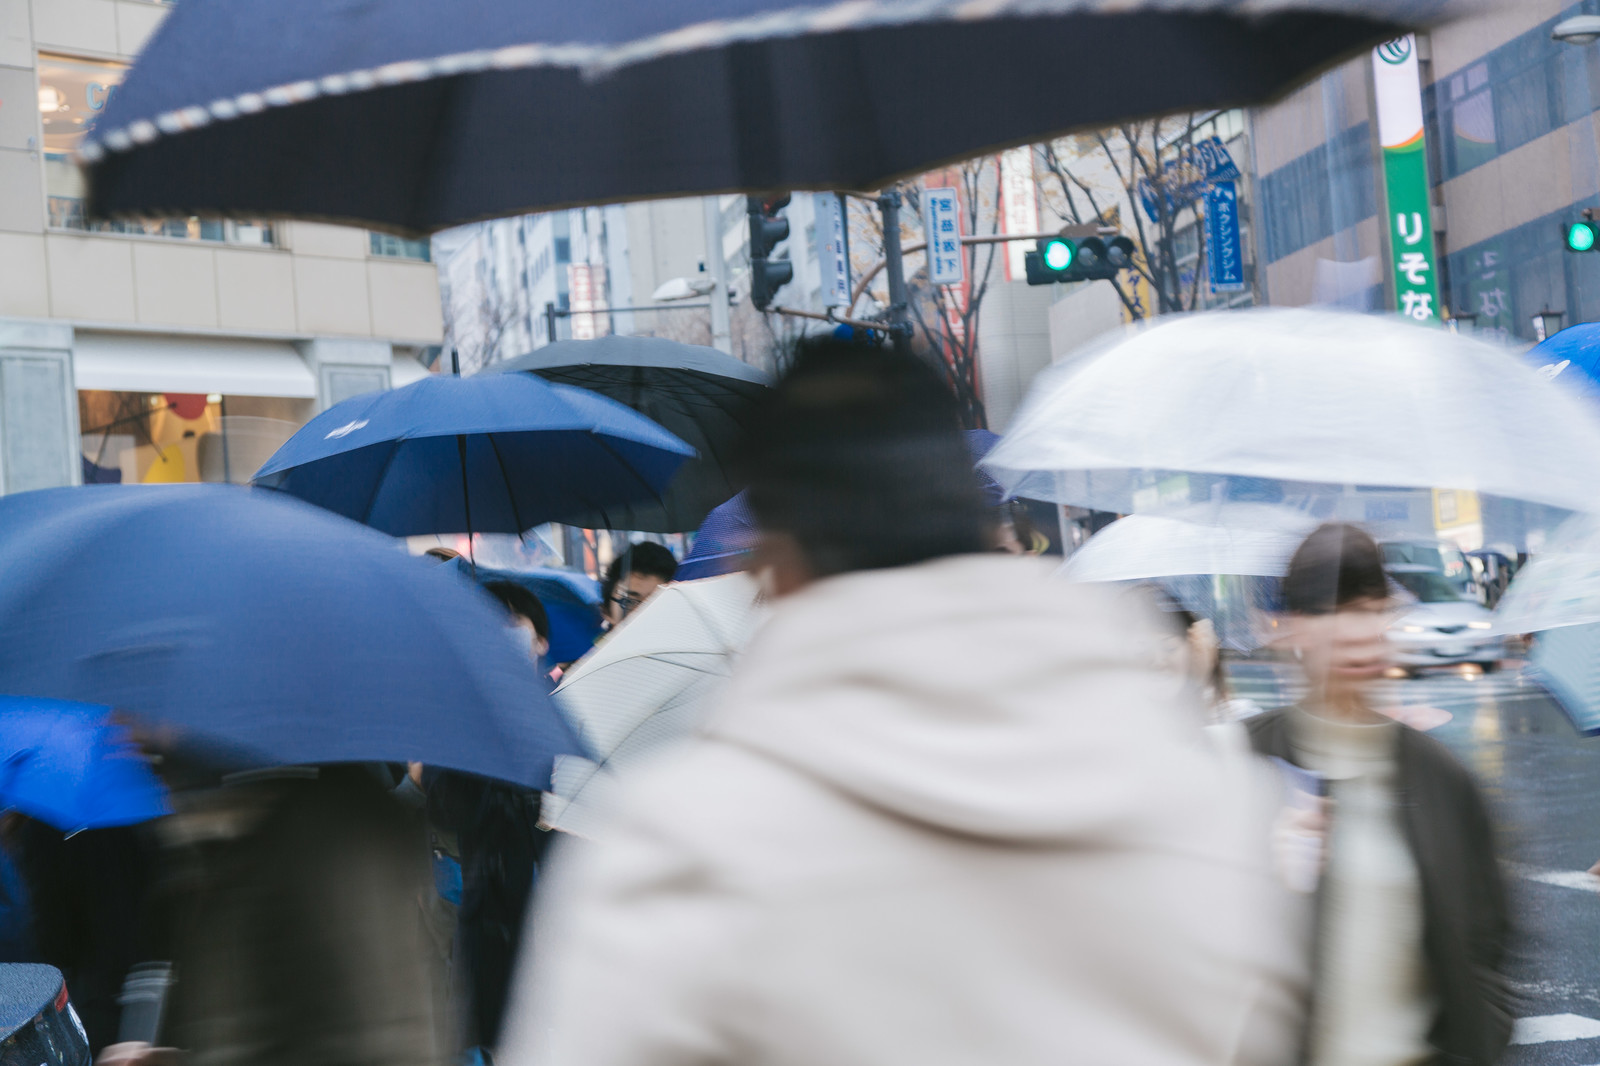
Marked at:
<point>1405,177</point>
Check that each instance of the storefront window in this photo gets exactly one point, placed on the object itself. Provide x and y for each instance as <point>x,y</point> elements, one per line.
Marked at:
<point>72,95</point>
<point>138,438</point>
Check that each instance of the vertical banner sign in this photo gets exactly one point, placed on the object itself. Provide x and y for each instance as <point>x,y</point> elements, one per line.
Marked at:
<point>833,249</point>
<point>1019,207</point>
<point>941,221</point>
<point>1224,249</point>
<point>1405,177</point>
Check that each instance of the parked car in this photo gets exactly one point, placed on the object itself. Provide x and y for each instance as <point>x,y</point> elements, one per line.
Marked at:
<point>38,1026</point>
<point>1441,556</point>
<point>1445,626</point>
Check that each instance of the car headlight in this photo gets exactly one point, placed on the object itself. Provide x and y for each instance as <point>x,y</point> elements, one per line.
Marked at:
<point>1480,625</point>
<point>1411,629</point>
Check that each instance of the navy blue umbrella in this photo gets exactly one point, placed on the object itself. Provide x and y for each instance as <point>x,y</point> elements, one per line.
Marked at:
<point>416,115</point>
<point>68,765</point>
<point>494,453</point>
<point>257,630</point>
<point>723,542</point>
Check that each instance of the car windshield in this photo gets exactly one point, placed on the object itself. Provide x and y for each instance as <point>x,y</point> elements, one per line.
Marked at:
<point>1428,587</point>
<point>1447,560</point>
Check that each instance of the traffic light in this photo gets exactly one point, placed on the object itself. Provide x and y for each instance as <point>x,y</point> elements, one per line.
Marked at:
<point>1064,259</point>
<point>768,228</point>
<point>1581,236</point>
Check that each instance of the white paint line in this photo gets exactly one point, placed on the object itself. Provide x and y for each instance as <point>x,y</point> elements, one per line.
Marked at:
<point>1578,879</point>
<point>1551,1027</point>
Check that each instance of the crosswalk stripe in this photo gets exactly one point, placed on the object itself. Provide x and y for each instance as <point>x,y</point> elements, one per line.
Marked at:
<point>1546,1028</point>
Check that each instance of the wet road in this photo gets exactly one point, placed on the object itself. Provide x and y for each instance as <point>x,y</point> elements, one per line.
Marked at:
<point>1543,782</point>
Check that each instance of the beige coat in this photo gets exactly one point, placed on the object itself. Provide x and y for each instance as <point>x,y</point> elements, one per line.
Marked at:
<point>944,814</point>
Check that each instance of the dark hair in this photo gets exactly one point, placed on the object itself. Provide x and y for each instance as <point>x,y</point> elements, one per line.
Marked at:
<point>647,557</point>
<point>858,455</point>
<point>520,601</point>
<point>1338,564</point>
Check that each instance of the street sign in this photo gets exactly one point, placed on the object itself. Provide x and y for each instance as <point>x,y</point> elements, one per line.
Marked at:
<point>1405,177</point>
<point>1206,161</point>
<point>941,220</point>
<point>833,249</point>
<point>1224,248</point>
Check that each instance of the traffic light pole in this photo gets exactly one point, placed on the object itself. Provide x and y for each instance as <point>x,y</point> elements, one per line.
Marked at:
<point>717,267</point>
<point>895,268</point>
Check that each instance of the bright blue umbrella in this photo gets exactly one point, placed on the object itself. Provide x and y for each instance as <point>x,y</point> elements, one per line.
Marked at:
<point>493,453</point>
<point>570,599</point>
<point>255,630</point>
<point>1572,352</point>
<point>66,764</point>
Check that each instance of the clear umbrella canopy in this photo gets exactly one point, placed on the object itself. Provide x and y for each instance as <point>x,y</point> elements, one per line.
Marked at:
<point>1319,405</point>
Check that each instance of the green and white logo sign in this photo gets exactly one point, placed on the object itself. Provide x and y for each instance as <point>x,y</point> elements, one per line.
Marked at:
<point>1405,177</point>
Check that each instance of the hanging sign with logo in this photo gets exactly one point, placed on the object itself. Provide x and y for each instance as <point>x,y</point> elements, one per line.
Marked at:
<point>1405,177</point>
<point>941,221</point>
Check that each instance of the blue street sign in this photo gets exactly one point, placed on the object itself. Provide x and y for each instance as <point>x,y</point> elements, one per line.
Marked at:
<point>1206,161</point>
<point>1224,249</point>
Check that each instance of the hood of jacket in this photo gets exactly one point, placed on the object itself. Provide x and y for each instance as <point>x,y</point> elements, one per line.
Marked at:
<point>975,695</point>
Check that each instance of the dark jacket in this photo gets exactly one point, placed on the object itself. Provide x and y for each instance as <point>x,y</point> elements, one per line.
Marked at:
<point>1465,918</point>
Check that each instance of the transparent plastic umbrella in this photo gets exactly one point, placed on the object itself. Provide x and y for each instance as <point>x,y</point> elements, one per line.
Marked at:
<point>1298,396</point>
<point>1237,538</point>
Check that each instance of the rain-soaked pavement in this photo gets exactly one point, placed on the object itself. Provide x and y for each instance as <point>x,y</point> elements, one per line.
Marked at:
<point>1543,782</point>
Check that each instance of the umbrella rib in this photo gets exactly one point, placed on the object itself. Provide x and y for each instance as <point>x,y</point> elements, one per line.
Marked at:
<point>511,493</point>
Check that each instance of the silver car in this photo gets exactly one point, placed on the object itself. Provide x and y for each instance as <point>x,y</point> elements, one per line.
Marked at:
<point>1445,626</point>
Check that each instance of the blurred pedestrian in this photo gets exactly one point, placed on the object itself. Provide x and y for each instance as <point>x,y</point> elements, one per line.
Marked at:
<point>946,811</point>
<point>88,893</point>
<point>495,830</point>
<point>1411,919</point>
<point>293,923</point>
<point>632,577</point>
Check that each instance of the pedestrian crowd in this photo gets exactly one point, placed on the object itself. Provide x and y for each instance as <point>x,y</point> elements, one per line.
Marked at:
<point>945,810</point>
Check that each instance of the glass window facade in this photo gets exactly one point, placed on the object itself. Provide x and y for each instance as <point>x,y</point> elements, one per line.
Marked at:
<point>391,247</point>
<point>1516,93</point>
<point>72,95</point>
<point>1332,187</point>
<point>1514,275</point>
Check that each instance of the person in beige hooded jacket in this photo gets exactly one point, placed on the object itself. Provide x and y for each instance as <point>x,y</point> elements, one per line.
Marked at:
<point>947,811</point>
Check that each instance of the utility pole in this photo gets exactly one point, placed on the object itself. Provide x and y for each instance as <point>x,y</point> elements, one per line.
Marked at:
<point>894,268</point>
<point>717,267</point>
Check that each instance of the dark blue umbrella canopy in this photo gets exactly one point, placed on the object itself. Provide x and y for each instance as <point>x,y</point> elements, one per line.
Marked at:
<point>257,630</point>
<point>534,452</point>
<point>416,115</point>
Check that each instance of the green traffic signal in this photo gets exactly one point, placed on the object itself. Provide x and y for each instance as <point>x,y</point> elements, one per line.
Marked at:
<point>1058,253</point>
<point>1581,237</point>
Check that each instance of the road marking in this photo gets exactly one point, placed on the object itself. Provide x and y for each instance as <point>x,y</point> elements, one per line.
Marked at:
<point>1578,879</point>
<point>1546,1028</point>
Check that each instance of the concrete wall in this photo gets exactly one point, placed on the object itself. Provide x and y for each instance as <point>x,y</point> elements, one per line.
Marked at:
<point>1013,346</point>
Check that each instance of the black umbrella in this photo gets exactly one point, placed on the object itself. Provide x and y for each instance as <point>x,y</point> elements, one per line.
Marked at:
<point>696,393</point>
<point>416,115</point>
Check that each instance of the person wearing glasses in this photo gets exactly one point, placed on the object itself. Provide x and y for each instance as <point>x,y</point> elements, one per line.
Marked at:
<point>632,577</point>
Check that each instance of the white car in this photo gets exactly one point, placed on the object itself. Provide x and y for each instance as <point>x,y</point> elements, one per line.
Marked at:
<point>1445,626</point>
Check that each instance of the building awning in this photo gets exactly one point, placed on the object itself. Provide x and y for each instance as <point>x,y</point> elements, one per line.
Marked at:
<point>129,362</point>
<point>405,370</point>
